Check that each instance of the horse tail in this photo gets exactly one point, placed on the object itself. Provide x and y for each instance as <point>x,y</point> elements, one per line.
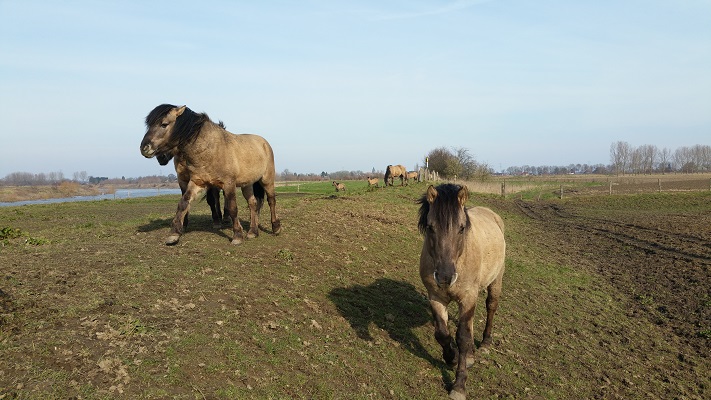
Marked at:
<point>259,194</point>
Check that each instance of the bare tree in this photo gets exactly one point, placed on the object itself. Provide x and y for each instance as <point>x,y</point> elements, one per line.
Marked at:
<point>648,154</point>
<point>620,156</point>
<point>664,160</point>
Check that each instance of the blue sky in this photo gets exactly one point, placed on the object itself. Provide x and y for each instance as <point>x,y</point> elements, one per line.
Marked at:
<point>353,85</point>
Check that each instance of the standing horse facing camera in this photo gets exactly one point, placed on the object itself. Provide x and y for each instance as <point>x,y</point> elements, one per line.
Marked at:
<point>463,252</point>
<point>211,157</point>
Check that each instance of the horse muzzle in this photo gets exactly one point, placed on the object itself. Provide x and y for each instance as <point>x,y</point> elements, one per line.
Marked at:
<point>148,151</point>
<point>445,279</point>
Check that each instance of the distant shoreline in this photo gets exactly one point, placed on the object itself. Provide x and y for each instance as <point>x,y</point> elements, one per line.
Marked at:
<point>69,189</point>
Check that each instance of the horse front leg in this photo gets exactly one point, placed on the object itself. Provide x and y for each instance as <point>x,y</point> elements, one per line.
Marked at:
<point>182,213</point>
<point>465,344</point>
<point>231,205</point>
<point>183,183</point>
<point>444,338</point>
<point>248,193</point>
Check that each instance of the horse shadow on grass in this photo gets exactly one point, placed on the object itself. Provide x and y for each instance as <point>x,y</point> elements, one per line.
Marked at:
<point>196,223</point>
<point>394,306</point>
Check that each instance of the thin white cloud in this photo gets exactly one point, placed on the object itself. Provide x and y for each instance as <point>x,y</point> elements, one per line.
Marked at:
<point>443,9</point>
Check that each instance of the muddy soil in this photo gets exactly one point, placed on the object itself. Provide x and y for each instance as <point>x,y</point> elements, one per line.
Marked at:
<point>662,261</point>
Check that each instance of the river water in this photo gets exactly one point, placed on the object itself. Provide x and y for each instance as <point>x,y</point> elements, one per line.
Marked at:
<point>119,194</point>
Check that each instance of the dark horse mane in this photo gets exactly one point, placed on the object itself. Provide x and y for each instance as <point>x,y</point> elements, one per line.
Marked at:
<point>187,125</point>
<point>448,200</point>
<point>186,129</point>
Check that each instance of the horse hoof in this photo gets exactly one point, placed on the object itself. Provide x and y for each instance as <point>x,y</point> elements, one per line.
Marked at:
<point>237,241</point>
<point>172,240</point>
<point>454,395</point>
<point>251,235</point>
<point>276,228</point>
<point>216,225</point>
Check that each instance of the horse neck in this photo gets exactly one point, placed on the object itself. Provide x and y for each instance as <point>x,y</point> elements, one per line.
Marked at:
<point>206,143</point>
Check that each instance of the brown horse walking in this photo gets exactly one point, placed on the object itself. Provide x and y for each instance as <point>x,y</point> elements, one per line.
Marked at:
<point>213,194</point>
<point>372,182</point>
<point>463,252</point>
<point>208,156</point>
<point>395,171</point>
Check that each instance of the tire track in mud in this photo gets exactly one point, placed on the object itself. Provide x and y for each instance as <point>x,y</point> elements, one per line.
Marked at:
<point>664,272</point>
<point>650,240</point>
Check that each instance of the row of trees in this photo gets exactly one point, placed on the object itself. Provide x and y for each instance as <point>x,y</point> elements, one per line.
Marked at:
<point>56,178</point>
<point>287,175</point>
<point>30,179</point>
<point>459,163</point>
<point>558,169</point>
<point>624,159</point>
<point>648,159</point>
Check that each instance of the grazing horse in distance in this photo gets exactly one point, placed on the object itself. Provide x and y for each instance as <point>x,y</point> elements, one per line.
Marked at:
<point>211,157</point>
<point>412,175</point>
<point>372,182</point>
<point>463,252</point>
<point>395,171</point>
<point>339,186</point>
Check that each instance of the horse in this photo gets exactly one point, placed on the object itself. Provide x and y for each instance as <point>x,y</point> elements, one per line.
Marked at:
<point>412,175</point>
<point>394,171</point>
<point>212,195</point>
<point>339,186</point>
<point>208,156</point>
<point>372,181</point>
<point>463,252</point>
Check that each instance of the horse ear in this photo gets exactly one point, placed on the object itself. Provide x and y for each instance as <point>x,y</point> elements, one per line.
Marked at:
<point>463,195</point>
<point>431,194</point>
<point>180,110</point>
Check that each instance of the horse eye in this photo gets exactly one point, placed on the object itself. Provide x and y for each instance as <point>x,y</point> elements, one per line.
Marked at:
<point>430,228</point>
<point>461,229</point>
<point>164,125</point>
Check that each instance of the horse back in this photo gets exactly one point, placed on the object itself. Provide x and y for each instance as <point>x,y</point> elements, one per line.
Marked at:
<point>249,154</point>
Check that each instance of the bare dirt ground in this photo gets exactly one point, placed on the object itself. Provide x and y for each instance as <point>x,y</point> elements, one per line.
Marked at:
<point>661,260</point>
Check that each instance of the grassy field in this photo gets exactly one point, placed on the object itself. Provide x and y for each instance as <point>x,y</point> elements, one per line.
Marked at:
<point>93,305</point>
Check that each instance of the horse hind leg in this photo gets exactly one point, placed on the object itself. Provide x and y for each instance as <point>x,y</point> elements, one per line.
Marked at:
<point>270,191</point>
<point>248,193</point>
<point>213,200</point>
<point>231,205</point>
<point>492,304</point>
